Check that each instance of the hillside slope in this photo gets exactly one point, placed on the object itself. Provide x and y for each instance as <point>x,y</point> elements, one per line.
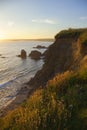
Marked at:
<point>62,104</point>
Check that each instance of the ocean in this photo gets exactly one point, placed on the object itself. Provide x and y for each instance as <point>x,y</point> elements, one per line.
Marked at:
<point>14,71</point>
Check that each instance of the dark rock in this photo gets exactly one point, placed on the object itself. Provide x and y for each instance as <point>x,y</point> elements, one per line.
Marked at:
<point>36,55</point>
<point>40,47</point>
<point>3,57</point>
<point>23,54</point>
<point>18,55</point>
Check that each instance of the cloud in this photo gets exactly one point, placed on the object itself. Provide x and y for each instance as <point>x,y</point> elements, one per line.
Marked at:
<point>46,21</point>
<point>83,18</point>
<point>11,23</point>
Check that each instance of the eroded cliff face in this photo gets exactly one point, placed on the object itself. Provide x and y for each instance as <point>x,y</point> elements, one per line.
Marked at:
<point>66,53</point>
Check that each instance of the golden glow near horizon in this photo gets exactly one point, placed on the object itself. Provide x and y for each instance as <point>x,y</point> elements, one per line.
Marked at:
<point>2,36</point>
<point>25,34</point>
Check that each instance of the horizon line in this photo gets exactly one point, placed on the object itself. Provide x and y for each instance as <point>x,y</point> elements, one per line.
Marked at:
<point>30,39</point>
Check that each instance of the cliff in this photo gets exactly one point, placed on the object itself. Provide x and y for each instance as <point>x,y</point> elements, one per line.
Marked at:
<point>64,54</point>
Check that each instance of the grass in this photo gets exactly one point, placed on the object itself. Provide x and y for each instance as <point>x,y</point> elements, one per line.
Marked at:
<point>83,38</point>
<point>62,105</point>
<point>71,33</point>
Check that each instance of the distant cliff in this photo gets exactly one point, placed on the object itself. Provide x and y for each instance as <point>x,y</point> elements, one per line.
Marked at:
<point>64,54</point>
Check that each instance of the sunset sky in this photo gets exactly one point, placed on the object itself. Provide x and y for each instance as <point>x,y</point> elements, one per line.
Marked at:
<point>32,19</point>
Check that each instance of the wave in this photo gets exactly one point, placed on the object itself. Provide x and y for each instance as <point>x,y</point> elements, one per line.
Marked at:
<point>20,76</point>
<point>7,83</point>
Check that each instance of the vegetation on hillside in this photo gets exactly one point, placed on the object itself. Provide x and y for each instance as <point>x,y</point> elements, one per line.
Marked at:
<point>70,33</point>
<point>62,105</point>
<point>83,38</point>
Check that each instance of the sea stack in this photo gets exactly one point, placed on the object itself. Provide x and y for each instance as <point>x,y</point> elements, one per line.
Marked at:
<point>23,54</point>
<point>35,55</point>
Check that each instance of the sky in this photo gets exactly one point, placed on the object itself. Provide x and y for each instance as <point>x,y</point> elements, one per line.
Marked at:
<point>34,19</point>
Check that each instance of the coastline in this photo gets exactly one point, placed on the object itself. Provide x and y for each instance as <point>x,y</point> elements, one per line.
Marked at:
<point>21,96</point>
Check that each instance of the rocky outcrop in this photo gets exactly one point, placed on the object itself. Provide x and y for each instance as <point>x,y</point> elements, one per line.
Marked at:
<point>3,57</point>
<point>64,54</point>
<point>40,47</point>
<point>23,54</point>
<point>36,55</point>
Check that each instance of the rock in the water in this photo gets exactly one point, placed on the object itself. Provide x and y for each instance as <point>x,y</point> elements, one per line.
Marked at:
<point>23,54</point>
<point>3,57</point>
<point>18,55</point>
<point>40,47</point>
<point>35,55</point>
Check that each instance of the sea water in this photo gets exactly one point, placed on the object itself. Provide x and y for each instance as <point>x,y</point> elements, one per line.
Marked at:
<point>14,71</point>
